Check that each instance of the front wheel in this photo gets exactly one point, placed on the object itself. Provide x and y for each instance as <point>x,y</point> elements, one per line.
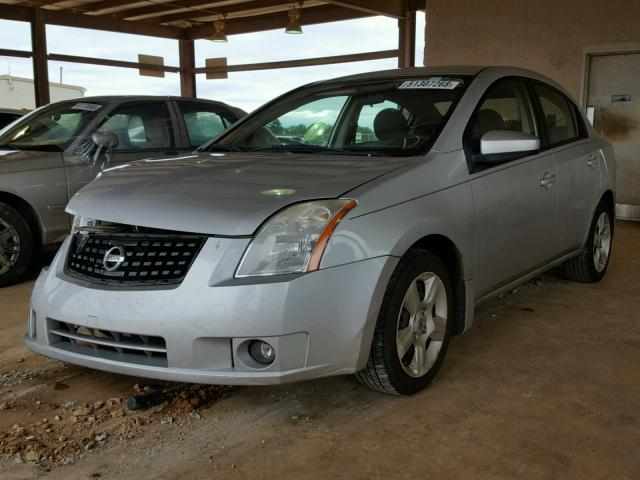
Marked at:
<point>16,245</point>
<point>413,328</point>
<point>591,265</point>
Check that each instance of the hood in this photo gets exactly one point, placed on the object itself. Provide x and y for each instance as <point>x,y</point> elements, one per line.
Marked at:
<point>12,161</point>
<point>227,194</point>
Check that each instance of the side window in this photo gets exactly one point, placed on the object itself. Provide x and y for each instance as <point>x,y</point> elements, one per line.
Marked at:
<point>506,106</point>
<point>203,122</point>
<point>7,118</point>
<point>140,126</point>
<point>559,119</point>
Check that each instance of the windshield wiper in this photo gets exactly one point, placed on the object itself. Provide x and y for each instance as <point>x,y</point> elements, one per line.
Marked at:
<point>315,149</point>
<point>9,146</point>
<point>49,147</point>
<point>294,148</point>
<point>220,147</point>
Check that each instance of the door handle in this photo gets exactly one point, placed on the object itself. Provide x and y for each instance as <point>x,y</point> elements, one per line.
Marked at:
<point>591,163</point>
<point>547,180</point>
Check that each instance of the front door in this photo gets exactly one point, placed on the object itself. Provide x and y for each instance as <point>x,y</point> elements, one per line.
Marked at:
<point>613,90</point>
<point>515,202</point>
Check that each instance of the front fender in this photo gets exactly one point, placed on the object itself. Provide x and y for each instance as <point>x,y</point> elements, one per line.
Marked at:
<point>393,230</point>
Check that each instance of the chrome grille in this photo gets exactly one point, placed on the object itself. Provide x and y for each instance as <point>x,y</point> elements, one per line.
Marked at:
<point>149,259</point>
<point>108,344</point>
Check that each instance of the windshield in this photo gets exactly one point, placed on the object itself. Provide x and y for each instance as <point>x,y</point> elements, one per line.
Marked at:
<point>390,118</point>
<point>50,128</point>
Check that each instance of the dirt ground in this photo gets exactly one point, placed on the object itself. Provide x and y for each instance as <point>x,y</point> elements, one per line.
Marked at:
<point>546,385</point>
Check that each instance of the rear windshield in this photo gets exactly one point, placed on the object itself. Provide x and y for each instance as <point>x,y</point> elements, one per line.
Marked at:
<point>391,118</point>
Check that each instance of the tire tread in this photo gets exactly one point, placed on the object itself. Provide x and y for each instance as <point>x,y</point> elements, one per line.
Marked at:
<point>375,374</point>
<point>24,261</point>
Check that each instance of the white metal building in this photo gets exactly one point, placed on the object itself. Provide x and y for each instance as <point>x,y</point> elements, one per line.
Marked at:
<point>18,92</point>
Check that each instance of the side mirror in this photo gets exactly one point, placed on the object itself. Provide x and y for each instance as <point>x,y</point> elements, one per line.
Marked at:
<point>507,141</point>
<point>105,139</point>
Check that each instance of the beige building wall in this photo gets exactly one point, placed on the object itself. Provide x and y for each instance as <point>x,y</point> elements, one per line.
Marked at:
<point>549,36</point>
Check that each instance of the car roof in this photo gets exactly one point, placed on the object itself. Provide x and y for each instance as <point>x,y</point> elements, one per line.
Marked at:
<point>449,70</point>
<point>110,98</point>
<point>119,98</point>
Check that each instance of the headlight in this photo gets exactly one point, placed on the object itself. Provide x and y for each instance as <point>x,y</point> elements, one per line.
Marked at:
<point>293,240</point>
<point>81,222</point>
<point>86,225</point>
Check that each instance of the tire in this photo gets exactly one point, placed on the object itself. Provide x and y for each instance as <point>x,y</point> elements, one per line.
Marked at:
<point>16,245</point>
<point>591,265</point>
<point>432,325</point>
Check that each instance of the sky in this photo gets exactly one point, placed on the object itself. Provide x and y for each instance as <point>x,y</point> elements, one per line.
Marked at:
<point>247,90</point>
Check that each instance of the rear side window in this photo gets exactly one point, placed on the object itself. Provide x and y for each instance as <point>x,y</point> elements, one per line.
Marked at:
<point>140,126</point>
<point>7,118</point>
<point>203,122</point>
<point>506,106</point>
<point>558,114</point>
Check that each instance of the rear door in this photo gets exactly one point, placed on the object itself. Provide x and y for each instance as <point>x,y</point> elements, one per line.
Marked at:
<point>145,129</point>
<point>202,121</point>
<point>578,164</point>
<point>515,201</point>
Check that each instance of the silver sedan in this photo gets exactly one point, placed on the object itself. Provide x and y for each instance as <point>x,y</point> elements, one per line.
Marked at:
<point>349,226</point>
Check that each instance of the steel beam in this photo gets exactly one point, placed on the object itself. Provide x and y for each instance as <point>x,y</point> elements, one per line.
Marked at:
<point>187,66</point>
<point>40,64</point>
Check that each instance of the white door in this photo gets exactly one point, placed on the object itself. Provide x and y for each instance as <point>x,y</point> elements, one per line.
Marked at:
<point>614,91</point>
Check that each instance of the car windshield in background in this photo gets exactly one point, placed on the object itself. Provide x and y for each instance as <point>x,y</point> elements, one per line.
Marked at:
<point>394,118</point>
<point>51,128</point>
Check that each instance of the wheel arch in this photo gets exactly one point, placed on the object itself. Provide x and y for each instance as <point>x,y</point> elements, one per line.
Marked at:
<point>27,211</point>
<point>443,247</point>
<point>609,198</point>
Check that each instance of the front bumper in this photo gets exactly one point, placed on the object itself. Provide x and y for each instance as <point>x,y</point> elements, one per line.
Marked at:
<point>319,324</point>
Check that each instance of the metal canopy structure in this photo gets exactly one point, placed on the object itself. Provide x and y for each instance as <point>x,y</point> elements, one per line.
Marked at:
<point>189,20</point>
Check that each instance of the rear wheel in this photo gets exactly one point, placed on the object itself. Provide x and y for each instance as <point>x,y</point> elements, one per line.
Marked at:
<point>16,245</point>
<point>413,328</point>
<point>591,264</point>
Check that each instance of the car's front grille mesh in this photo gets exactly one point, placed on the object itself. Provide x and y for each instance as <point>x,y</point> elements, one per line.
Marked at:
<point>108,344</point>
<point>145,259</point>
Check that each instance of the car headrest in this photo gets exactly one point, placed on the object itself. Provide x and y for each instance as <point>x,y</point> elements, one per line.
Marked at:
<point>389,124</point>
<point>486,121</point>
<point>155,129</point>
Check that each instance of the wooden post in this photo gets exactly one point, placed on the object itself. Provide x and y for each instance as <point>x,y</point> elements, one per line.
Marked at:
<point>187,64</point>
<point>40,65</point>
<point>407,41</point>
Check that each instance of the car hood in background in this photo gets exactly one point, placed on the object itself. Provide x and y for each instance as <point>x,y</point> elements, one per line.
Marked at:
<point>221,193</point>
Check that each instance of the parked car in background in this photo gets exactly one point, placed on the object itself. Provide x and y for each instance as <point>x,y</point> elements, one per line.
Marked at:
<point>363,247</point>
<point>47,156</point>
<point>8,115</point>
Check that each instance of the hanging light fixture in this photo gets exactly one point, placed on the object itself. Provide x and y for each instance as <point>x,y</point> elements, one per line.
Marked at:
<point>219,35</point>
<point>294,27</point>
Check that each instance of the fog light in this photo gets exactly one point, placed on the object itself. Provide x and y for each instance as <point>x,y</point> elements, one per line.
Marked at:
<point>31,324</point>
<point>262,352</point>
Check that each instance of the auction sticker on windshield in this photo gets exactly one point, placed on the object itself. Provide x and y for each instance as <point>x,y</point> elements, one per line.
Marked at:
<point>89,107</point>
<point>430,84</point>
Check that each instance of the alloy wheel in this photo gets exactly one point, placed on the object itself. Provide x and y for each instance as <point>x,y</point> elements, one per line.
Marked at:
<point>602,242</point>
<point>422,323</point>
<point>9,246</point>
